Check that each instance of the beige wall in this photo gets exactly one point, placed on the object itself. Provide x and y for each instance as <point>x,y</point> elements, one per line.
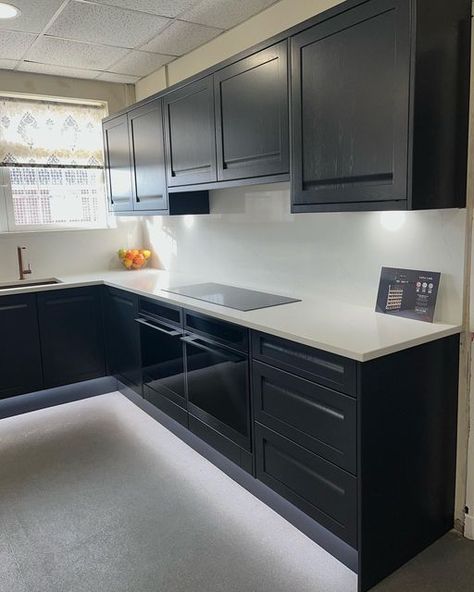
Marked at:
<point>277,18</point>
<point>117,96</point>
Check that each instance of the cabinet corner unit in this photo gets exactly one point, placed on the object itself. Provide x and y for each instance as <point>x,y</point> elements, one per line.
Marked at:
<point>135,166</point>
<point>380,93</point>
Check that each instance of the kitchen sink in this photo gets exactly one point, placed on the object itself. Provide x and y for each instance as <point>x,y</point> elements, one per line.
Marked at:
<point>23,284</point>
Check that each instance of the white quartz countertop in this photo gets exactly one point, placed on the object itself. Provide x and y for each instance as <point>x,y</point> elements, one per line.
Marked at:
<point>348,330</point>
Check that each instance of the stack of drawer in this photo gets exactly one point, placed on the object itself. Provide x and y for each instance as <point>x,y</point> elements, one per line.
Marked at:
<point>305,412</point>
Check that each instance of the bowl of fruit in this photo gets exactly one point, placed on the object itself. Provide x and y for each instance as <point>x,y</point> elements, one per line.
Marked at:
<point>134,258</point>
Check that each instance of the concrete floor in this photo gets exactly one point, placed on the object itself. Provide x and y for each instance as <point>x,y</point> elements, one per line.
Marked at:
<point>95,496</point>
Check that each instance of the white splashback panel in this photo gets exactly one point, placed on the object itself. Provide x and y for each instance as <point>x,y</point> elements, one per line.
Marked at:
<point>251,239</point>
<point>69,252</point>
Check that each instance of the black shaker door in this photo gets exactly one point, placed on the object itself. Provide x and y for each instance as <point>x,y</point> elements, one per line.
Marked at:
<point>350,107</point>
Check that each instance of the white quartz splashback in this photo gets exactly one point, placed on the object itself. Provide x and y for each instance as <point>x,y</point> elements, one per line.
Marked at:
<point>56,253</point>
<point>251,239</point>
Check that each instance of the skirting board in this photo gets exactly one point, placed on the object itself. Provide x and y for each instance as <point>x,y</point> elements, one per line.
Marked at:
<point>56,396</point>
<point>320,535</point>
<point>469,527</point>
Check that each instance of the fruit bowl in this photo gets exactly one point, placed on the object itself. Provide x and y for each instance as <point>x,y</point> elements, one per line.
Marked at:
<point>134,258</point>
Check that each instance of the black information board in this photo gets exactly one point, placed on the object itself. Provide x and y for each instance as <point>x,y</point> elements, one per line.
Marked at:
<point>408,293</point>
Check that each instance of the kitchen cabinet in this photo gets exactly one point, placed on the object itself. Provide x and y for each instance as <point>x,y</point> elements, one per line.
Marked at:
<point>190,134</point>
<point>343,441</point>
<point>135,169</point>
<point>71,332</point>
<point>147,158</point>
<point>163,358</point>
<point>118,164</point>
<point>20,360</point>
<point>122,336</point>
<point>251,98</point>
<point>366,132</point>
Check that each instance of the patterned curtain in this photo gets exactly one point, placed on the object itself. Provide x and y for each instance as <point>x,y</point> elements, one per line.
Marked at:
<point>49,133</point>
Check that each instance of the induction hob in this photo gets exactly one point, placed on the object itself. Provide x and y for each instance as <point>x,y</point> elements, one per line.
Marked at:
<point>230,296</point>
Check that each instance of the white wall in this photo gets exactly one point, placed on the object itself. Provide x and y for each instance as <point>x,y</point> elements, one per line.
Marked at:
<point>251,239</point>
<point>68,252</point>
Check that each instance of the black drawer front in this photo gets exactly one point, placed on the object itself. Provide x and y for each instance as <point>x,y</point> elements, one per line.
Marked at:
<point>314,416</point>
<point>320,489</point>
<point>328,369</point>
<point>159,311</point>
<point>225,333</point>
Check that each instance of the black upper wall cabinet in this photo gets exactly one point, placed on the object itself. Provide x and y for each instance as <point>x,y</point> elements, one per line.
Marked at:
<point>252,115</point>
<point>147,155</point>
<point>379,101</point>
<point>118,164</point>
<point>190,134</point>
<point>379,98</point>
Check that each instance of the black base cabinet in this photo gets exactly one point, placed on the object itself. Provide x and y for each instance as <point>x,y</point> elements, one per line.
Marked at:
<point>72,335</point>
<point>122,336</point>
<point>366,450</point>
<point>372,459</point>
<point>20,359</point>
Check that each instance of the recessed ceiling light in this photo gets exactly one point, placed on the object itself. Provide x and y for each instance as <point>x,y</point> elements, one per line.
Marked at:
<point>8,11</point>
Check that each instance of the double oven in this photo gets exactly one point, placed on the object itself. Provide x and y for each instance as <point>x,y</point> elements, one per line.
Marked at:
<point>196,369</point>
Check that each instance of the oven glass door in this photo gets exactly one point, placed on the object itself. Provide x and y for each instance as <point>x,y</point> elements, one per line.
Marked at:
<point>162,359</point>
<point>218,388</point>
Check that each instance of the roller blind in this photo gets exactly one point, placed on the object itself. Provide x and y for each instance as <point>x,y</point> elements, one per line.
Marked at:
<point>41,133</point>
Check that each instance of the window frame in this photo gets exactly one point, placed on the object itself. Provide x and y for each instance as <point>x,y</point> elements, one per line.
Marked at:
<point>8,223</point>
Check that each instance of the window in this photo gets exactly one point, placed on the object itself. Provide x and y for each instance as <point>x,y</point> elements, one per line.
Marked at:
<point>51,164</point>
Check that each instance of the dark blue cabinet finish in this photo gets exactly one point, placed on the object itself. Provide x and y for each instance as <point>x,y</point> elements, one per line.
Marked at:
<point>147,158</point>
<point>190,134</point>
<point>163,357</point>
<point>122,336</point>
<point>366,132</point>
<point>71,331</point>
<point>251,99</point>
<point>118,164</point>
<point>320,419</point>
<point>20,358</point>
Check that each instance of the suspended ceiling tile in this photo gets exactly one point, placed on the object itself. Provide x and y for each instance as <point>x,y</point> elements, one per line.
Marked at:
<point>13,45</point>
<point>57,70</point>
<point>118,78</point>
<point>140,63</point>
<point>170,8</point>
<point>181,37</point>
<point>35,15</point>
<point>225,13</point>
<point>73,54</point>
<point>108,25</point>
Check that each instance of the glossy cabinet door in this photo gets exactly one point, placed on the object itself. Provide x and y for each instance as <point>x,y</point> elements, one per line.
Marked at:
<point>147,157</point>
<point>351,107</point>
<point>190,134</point>
<point>122,336</point>
<point>20,359</point>
<point>118,164</point>
<point>71,332</point>
<point>252,115</point>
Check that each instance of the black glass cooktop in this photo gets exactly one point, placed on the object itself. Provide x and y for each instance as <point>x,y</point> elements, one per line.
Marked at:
<point>232,297</point>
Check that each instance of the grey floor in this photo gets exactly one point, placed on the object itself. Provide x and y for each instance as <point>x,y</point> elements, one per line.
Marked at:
<point>96,496</point>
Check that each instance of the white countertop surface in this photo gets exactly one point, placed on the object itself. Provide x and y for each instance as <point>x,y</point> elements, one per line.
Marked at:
<point>348,330</point>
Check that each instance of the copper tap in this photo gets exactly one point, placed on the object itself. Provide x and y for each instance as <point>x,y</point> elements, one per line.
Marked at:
<point>21,266</point>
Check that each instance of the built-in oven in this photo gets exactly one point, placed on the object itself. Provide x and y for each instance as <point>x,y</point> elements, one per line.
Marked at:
<point>217,374</point>
<point>162,353</point>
